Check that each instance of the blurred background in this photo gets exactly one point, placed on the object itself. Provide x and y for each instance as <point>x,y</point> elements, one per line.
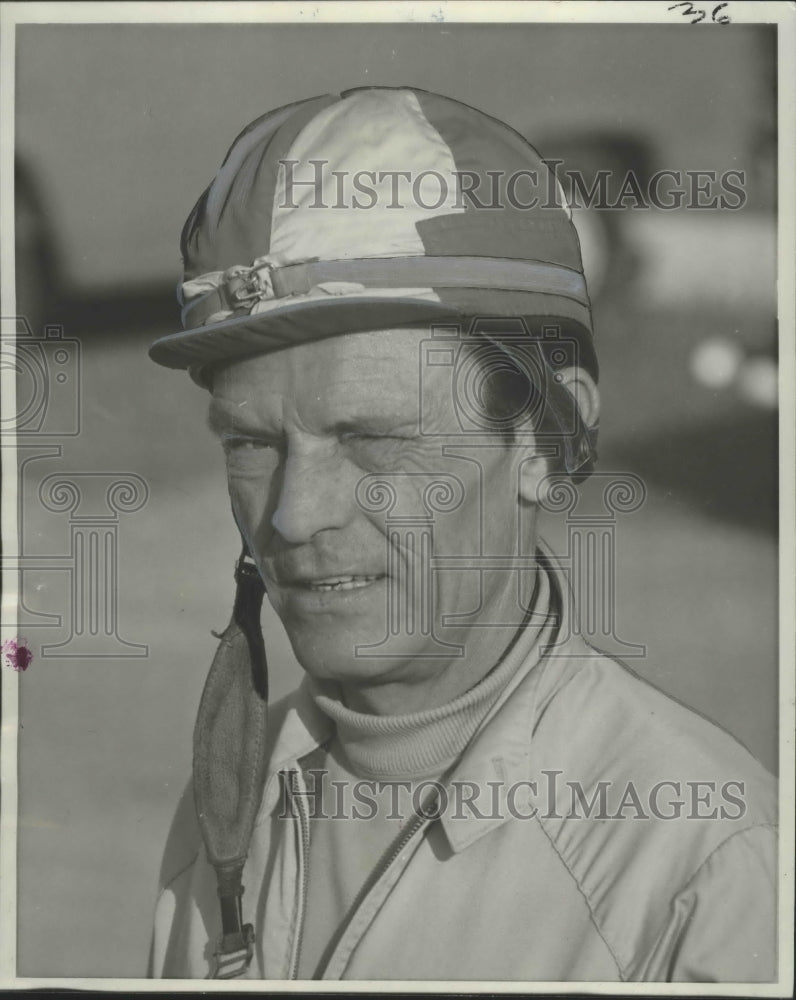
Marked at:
<point>118,130</point>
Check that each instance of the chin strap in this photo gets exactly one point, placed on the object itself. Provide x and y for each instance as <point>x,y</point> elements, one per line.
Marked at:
<point>229,761</point>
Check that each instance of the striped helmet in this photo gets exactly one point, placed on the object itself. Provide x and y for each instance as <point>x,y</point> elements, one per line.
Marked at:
<point>381,208</point>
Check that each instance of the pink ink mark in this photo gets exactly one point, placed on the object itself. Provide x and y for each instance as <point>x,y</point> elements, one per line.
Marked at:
<point>16,654</point>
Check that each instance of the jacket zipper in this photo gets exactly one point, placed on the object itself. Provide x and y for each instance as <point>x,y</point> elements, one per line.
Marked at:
<point>391,854</point>
<point>297,800</point>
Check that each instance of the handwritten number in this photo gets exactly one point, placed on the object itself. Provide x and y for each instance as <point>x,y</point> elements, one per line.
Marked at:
<point>722,18</point>
<point>698,14</point>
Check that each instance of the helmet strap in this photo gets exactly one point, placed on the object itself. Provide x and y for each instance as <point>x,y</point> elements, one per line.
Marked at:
<point>229,761</point>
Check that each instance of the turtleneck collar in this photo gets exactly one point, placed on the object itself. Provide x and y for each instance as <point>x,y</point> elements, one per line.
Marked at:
<point>423,744</point>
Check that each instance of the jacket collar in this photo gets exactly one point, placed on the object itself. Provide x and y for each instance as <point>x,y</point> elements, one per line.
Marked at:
<point>500,751</point>
<point>498,758</point>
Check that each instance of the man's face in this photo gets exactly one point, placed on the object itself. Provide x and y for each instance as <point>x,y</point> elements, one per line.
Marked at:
<point>331,472</point>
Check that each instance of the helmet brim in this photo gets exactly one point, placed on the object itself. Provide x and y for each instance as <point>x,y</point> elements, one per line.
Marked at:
<point>302,319</point>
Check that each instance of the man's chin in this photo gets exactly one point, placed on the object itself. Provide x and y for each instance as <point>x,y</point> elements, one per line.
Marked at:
<point>344,636</point>
<point>359,659</point>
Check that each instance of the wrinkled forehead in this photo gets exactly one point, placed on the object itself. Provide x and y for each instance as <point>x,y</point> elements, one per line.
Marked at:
<point>361,354</point>
<point>356,371</point>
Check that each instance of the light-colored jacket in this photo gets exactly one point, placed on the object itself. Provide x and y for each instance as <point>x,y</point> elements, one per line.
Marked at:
<point>664,872</point>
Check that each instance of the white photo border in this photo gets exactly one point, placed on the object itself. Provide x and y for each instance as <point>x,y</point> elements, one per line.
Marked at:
<point>782,14</point>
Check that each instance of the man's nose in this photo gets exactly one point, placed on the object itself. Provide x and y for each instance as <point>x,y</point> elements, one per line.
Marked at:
<point>316,494</point>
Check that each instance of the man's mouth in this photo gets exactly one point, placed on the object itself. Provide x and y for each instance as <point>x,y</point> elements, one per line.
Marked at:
<point>339,583</point>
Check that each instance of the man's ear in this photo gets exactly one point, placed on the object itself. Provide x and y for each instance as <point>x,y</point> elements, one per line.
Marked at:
<point>532,471</point>
<point>583,388</point>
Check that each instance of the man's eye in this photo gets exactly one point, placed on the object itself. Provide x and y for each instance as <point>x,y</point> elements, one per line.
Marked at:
<point>237,444</point>
<point>348,436</point>
<point>368,436</point>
